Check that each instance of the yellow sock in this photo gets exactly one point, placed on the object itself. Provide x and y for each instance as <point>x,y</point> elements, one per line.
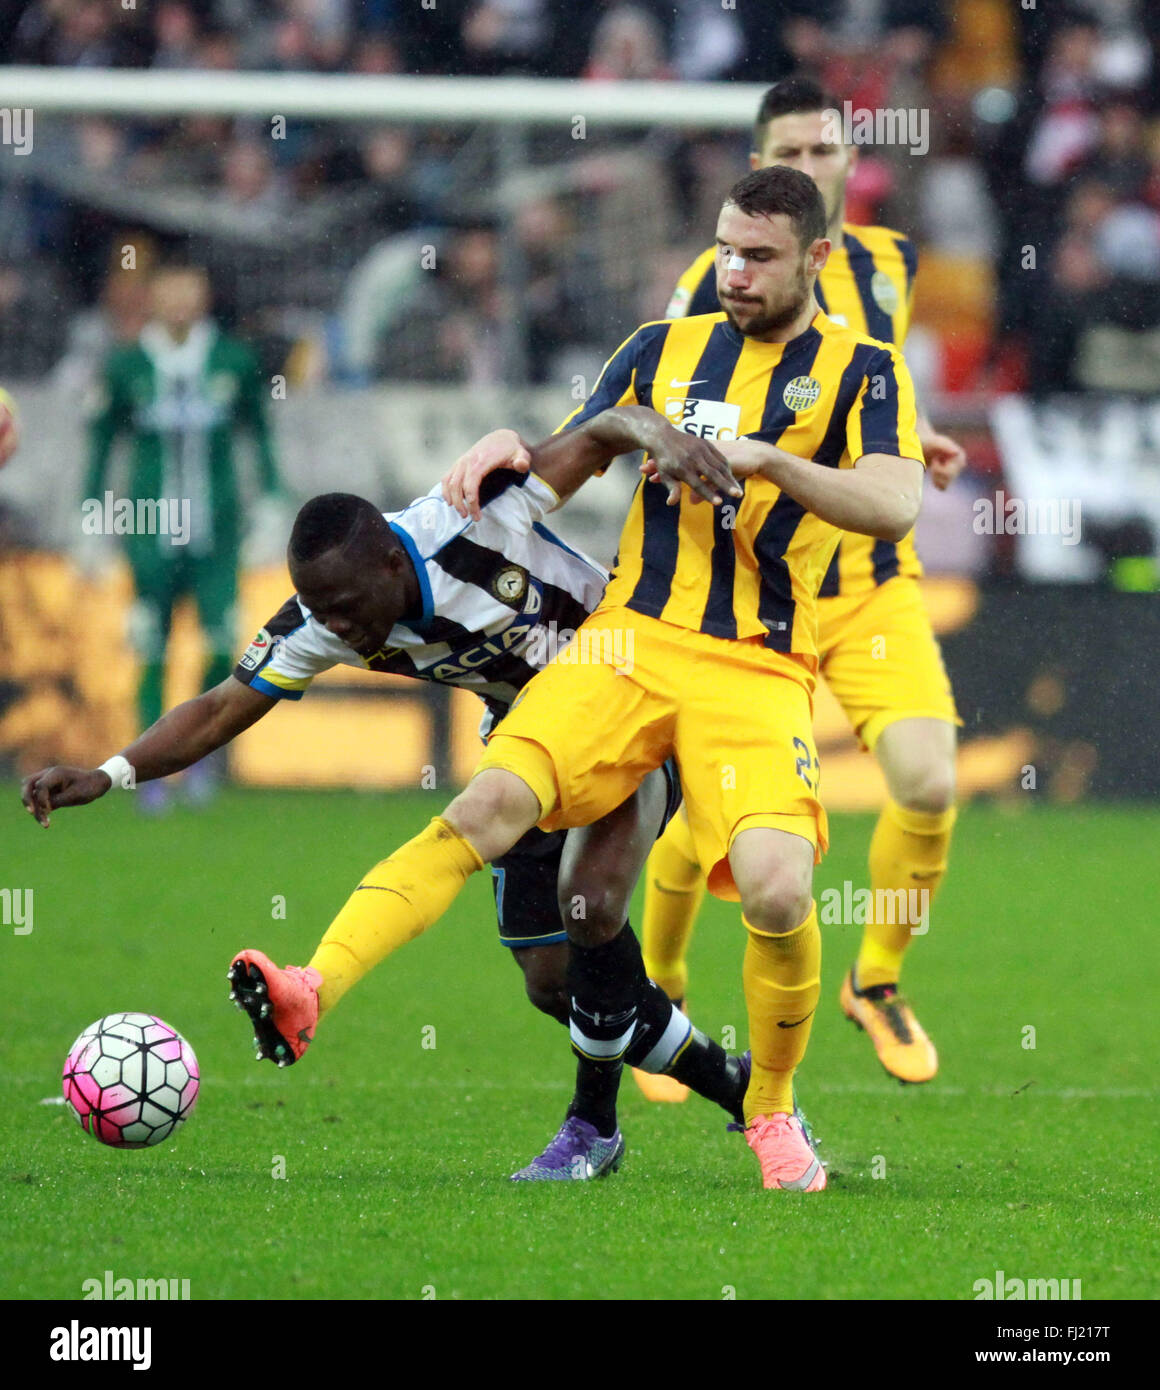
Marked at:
<point>782,977</point>
<point>398,900</point>
<point>908,855</point>
<point>673,890</point>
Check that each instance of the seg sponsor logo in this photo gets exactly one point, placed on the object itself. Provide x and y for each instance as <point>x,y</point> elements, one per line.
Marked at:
<point>707,419</point>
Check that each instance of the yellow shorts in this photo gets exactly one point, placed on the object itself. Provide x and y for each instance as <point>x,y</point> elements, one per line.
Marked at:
<point>736,715</point>
<point>880,657</point>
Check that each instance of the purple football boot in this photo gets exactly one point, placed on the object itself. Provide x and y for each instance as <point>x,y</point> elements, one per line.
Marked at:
<point>576,1154</point>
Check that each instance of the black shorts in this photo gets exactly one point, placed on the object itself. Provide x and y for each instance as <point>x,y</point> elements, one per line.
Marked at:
<point>525,880</point>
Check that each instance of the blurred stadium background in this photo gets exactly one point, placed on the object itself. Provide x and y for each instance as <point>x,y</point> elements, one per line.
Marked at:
<point>312,153</point>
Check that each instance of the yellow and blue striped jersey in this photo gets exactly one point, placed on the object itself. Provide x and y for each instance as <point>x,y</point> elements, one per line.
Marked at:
<point>750,568</point>
<point>868,285</point>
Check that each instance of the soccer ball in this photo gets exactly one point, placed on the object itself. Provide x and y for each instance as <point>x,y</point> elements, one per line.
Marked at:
<point>131,1080</point>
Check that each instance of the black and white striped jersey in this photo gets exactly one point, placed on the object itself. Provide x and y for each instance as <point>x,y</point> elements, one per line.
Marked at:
<point>501,596</point>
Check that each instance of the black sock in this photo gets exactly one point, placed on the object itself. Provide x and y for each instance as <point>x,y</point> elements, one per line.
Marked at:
<point>594,1099</point>
<point>661,1029</point>
<point>705,1067</point>
<point>604,983</point>
<point>701,1064</point>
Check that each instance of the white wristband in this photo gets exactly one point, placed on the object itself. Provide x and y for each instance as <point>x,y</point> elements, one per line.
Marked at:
<point>120,771</point>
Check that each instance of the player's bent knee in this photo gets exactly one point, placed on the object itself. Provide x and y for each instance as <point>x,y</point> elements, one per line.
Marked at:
<point>779,905</point>
<point>918,758</point>
<point>493,811</point>
<point>930,788</point>
<point>593,911</point>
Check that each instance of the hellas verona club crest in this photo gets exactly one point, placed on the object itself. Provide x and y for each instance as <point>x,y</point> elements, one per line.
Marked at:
<point>885,292</point>
<point>802,392</point>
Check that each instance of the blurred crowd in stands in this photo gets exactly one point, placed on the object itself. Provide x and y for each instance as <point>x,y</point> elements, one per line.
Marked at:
<point>1036,208</point>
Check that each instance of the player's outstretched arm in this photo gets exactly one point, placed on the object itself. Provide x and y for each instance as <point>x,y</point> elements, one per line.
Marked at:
<point>880,496</point>
<point>679,458</point>
<point>568,459</point>
<point>564,461</point>
<point>178,740</point>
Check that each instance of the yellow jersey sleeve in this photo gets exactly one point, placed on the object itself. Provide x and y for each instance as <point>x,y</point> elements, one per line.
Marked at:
<point>868,282</point>
<point>616,384</point>
<point>884,416</point>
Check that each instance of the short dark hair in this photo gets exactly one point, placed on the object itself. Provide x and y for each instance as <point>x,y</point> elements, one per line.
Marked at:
<point>789,192</point>
<point>337,520</point>
<point>789,97</point>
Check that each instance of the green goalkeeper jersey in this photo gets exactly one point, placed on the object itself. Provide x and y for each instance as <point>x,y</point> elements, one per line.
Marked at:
<point>182,403</point>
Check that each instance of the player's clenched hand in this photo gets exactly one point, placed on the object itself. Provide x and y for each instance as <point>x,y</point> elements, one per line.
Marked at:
<point>686,458</point>
<point>945,459</point>
<point>54,787</point>
<point>499,449</point>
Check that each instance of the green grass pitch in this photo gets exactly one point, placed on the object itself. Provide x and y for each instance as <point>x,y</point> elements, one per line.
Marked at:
<point>1040,1162</point>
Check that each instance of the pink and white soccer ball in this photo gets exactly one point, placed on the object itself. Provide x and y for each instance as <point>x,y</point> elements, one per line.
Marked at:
<point>131,1080</point>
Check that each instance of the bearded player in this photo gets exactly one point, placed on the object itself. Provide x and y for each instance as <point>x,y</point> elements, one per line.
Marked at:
<point>878,651</point>
<point>720,603</point>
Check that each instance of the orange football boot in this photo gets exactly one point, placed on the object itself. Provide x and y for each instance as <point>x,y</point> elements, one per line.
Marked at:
<point>658,1086</point>
<point>282,1004</point>
<point>903,1047</point>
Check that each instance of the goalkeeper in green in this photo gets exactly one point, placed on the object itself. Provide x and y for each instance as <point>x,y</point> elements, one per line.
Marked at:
<point>180,392</point>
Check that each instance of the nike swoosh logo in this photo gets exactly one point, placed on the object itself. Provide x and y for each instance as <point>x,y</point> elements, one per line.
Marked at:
<point>798,1024</point>
<point>676,385</point>
<point>801,1184</point>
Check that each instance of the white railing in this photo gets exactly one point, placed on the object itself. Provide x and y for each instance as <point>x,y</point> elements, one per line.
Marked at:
<point>442,100</point>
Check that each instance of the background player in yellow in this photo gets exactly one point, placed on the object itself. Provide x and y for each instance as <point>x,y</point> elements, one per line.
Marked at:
<point>878,651</point>
<point>720,605</point>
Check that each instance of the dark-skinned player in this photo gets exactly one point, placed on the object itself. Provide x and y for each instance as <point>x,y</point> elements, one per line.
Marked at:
<point>422,594</point>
